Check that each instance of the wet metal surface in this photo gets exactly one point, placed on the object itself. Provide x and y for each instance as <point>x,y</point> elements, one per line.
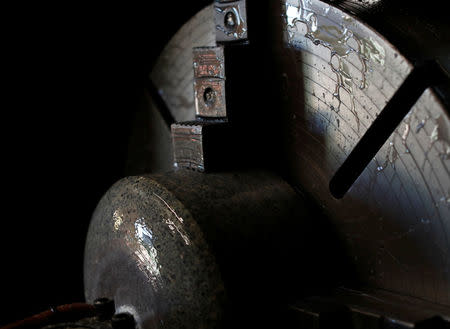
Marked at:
<point>422,77</point>
<point>339,74</point>
<point>209,82</point>
<point>231,21</point>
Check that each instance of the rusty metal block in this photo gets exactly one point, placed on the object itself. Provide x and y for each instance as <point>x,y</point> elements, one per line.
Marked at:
<point>202,145</point>
<point>187,142</point>
<point>209,96</point>
<point>209,82</point>
<point>231,21</point>
<point>209,62</point>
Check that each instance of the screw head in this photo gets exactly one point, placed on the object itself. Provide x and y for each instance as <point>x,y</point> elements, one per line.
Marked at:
<point>123,321</point>
<point>105,307</point>
<point>209,96</point>
<point>230,20</point>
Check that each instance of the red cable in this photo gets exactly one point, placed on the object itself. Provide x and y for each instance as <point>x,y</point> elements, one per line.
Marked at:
<point>62,313</point>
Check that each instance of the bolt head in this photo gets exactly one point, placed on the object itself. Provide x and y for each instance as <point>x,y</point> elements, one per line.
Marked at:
<point>209,96</point>
<point>105,307</point>
<point>123,321</point>
<point>230,20</point>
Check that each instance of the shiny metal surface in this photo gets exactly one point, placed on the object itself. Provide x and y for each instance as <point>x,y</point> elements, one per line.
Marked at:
<point>145,251</point>
<point>209,82</point>
<point>340,74</point>
<point>152,239</point>
<point>230,20</point>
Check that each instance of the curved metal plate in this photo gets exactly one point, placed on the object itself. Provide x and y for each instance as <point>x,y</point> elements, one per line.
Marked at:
<point>395,219</point>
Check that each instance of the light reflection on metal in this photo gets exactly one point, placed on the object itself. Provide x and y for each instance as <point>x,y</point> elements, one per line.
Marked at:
<point>407,181</point>
<point>341,42</point>
<point>174,226</point>
<point>118,219</point>
<point>231,21</point>
<point>146,252</point>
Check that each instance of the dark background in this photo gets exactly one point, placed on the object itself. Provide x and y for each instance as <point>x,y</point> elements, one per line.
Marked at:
<point>77,74</point>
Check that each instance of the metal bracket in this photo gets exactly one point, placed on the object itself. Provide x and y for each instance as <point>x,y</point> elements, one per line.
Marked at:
<point>231,20</point>
<point>199,145</point>
<point>187,142</point>
<point>209,82</point>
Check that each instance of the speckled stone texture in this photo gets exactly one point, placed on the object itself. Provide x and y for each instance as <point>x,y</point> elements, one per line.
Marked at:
<point>146,252</point>
<point>167,246</point>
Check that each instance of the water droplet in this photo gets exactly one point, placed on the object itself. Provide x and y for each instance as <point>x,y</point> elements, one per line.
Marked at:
<point>446,155</point>
<point>291,35</point>
<point>434,134</point>
<point>405,132</point>
<point>312,22</point>
<point>405,136</point>
<point>342,42</point>
<point>346,17</point>
<point>420,126</point>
